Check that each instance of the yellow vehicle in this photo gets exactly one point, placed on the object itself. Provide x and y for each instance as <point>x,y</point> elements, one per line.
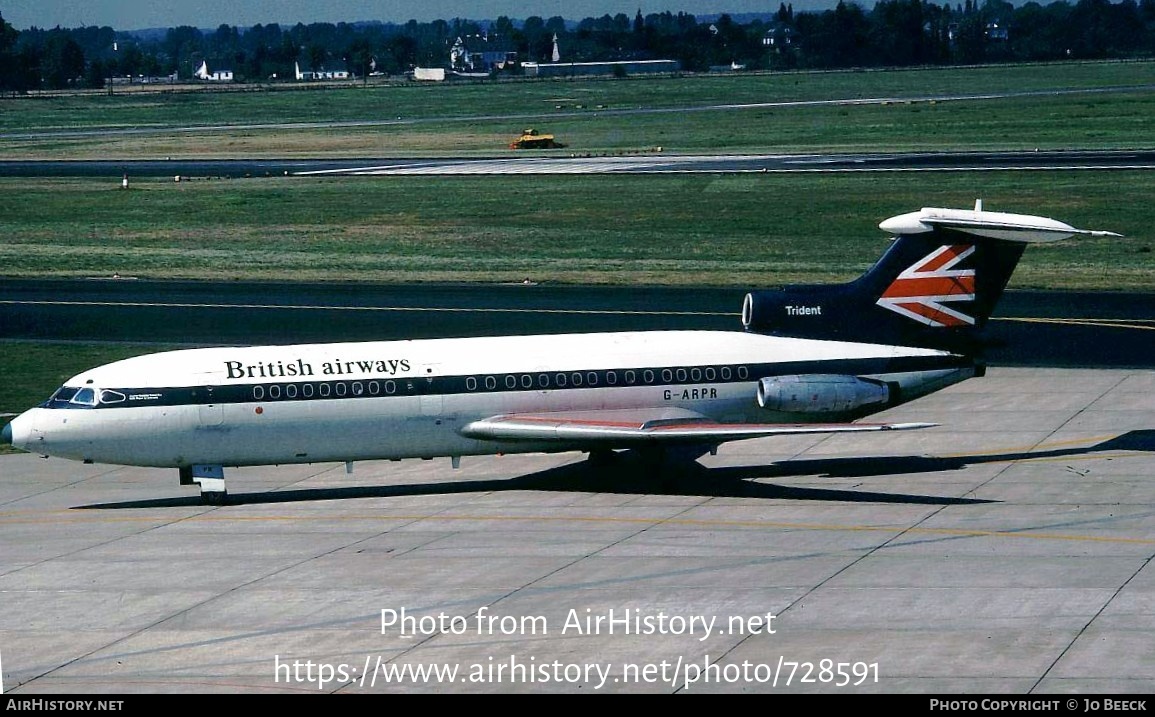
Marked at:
<point>530,139</point>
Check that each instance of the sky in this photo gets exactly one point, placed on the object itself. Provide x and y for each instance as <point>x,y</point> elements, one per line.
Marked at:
<point>141,14</point>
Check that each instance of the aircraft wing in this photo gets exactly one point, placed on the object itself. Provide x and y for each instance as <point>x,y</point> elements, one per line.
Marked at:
<point>631,427</point>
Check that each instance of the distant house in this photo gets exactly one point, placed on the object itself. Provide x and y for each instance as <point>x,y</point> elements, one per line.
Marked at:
<point>202,73</point>
<point>993,32</point>
<point>318,73</point>
<point>481,54</point>
<point>780,36</point>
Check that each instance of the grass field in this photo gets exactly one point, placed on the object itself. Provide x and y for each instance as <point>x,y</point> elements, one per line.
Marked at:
<point>471,119</point>
<point>436,100</point>
<point>705,229</point>
<point>1099,121</point>
<point>734,230</point>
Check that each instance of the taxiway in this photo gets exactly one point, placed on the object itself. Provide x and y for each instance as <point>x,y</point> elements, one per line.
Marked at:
<point>1008,550</point>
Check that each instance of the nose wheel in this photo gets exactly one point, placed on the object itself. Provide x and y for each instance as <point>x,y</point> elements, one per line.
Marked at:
<point>214,497</point>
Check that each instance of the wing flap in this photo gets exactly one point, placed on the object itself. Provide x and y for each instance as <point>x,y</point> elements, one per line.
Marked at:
<point>638,427</point>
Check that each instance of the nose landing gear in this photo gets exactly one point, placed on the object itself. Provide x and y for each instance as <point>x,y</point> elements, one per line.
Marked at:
<point>210,478</point>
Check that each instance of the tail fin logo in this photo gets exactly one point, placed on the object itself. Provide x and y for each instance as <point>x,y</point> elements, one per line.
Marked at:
<point>922,291</point>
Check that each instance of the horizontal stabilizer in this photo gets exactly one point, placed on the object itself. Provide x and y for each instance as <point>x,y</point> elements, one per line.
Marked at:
<point>993,225</point>
<point>612,428</point>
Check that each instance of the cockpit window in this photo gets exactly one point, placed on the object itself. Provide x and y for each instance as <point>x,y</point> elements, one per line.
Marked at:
<point>84,397</point>
<point>63,394</point>
<point>107,396</point>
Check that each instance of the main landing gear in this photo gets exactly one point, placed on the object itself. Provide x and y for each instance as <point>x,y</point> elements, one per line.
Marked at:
<point>210,478</point>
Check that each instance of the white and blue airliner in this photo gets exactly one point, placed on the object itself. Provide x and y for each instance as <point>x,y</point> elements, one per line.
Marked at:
<point>812,359</point>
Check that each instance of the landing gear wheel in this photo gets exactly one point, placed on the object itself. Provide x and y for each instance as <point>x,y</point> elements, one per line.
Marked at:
<point>212,482</point>
<point>215,497</point>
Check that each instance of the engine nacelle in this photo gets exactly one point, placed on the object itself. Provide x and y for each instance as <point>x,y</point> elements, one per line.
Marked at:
<point>820,393</point>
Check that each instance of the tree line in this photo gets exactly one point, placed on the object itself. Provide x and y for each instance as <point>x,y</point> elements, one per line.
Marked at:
<point>893,33</point>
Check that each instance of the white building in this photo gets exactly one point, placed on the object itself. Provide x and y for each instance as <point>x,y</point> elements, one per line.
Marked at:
<point>319,73</point>
<point>203,73</point>
<point>429,74</point>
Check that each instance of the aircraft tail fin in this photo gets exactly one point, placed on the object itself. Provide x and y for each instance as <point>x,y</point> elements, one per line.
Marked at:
<point>936,286</point>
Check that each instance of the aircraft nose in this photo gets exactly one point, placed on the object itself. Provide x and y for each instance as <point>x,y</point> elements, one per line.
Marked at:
<point>6,435</point>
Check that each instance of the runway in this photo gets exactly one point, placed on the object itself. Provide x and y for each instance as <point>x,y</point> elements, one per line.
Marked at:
<point>562,162</point>
<point>1008,550</point>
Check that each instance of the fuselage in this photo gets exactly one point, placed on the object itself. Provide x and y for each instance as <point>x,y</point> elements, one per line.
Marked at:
<point>402,399</point>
